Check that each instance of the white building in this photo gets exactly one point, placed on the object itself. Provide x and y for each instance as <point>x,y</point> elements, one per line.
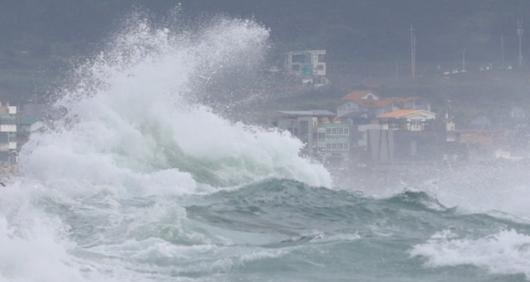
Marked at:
<point>407,119</point>
<point>303,125</point>
<point>8,133</point>
<point>309,65</point>
<point>333,141</point>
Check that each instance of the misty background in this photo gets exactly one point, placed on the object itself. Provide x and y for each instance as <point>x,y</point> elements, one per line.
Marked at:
<point>367,40</point>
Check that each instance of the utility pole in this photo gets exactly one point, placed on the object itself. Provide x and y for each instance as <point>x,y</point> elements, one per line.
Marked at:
<point>396,68</point>
<point>464,60</point>
<point>412,52</point>
<point>502,52</point>
<point>520,32</point>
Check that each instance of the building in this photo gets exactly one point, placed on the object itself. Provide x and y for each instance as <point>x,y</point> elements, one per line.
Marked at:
<point>369,104</point>
<point>30,117</point>
<point>333,143</point>
<point>309,65</point>
<point>325,137</point>
<point>378,143</point>
<point>304,125</point>
<point>360,105</point>
<point>407,119</point>
<point>8,134</point>
<point>415,134</point>
<point>369,129</point>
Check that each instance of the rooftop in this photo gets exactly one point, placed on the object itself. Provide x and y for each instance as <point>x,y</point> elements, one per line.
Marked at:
<point>361,95</point>
<point>408,114</point>
<point>308,113</point>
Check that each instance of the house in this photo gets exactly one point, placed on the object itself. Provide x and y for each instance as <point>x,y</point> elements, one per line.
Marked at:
<point>333,142</point>
<point>364,105</point>
<point>378,123</point>
<point>414,134</point>
<point>309,65</point>
<point>377,143</point>
<point>407,119</point>
<point>303,125</point>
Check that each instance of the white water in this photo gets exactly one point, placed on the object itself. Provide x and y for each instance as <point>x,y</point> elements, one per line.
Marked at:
<point>506,252</point>
<point>129,131</point>
<point>493,188</point>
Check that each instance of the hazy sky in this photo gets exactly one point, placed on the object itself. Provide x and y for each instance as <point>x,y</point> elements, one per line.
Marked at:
<point>351,30</point>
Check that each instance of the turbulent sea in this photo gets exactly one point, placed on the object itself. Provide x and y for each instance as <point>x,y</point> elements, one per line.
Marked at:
<point>139,182</point>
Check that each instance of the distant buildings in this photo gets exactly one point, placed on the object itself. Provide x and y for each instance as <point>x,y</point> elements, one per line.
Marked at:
<point>368,129</point>
<point>8,134</point>
<point>407,119</point>
<point>366,104</point>
<point>308,65</point>
<point>30,118</point>
<point>333,142</point>
<point>303,124</point>
<point>325,137</point>
<point>16,124</point>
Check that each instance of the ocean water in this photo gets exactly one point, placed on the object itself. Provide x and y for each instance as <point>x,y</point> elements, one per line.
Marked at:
<point>139,183</point>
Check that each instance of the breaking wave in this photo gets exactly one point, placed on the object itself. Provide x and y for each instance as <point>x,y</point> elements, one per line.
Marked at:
<point>131,130</point>
<point>506,252</point>
<point>140,182</point>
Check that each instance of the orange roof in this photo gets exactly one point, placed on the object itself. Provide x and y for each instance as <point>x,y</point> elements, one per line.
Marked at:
<point>406,113</point>
<point>397,114</point>
<point>369,99</point>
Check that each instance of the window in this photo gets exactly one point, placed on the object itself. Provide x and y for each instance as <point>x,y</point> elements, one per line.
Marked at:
<point>300,58</point>
<point>322,58</point>
<point>296,67</point>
